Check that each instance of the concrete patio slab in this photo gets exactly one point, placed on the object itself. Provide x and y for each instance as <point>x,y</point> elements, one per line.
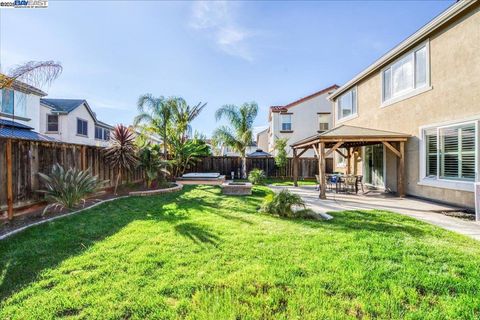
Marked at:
<point>423,210</point>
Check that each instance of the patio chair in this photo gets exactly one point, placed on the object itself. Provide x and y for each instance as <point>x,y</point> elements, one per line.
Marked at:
<point>360,182</point>
<point>350,183</point>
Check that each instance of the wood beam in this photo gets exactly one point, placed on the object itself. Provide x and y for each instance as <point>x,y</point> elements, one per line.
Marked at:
<point>316,152</point>
<point>295,168</point>
<point>401,171</point>
<point>321,170</point>
<point>349,162</point>
<point>302,152</point>
<point>341,153</point>
<point>332,149</point>
<point>8,152</point>
<point>392,148</point>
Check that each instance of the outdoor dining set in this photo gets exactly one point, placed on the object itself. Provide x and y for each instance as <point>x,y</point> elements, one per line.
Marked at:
<point>343,182</point>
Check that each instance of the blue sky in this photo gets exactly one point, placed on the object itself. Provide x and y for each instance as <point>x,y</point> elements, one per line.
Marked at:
<point>214,52</point>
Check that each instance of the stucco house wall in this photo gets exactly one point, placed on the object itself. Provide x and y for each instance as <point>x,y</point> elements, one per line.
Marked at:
<point>453,96</point>
<point>304,122</point>
<point>262,140</point>
<point>67,124</point>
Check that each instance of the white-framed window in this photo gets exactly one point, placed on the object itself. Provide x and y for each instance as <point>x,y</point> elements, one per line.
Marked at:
<point>286,121</point>
<point>347,104</point>
<point>82,127</point>
<point>409,73</point>
<point>52,123</point>
<point>98,133</point>
<point>323,121</point>
<point>6,101</point>
<point>102,133</point>
<point>450,152</point>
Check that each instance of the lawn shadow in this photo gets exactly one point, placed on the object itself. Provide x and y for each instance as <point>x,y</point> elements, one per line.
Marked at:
<point>367,220</point>
<point>25,255</point>
<point>198,234</point>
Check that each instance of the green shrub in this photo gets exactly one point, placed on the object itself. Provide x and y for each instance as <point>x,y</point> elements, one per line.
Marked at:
<point>256,176</point>
<point>67,189</point>
<point>282,204</point>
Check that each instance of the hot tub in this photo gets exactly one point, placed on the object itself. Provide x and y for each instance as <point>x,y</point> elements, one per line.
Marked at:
<point>211,178</point>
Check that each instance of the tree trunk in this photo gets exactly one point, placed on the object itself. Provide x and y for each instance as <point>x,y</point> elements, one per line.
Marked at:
<point>244,167</point>
<point>118,178</point>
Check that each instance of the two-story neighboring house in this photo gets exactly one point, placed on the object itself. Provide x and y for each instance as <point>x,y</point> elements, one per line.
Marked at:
<point>300,119</point>
<point>21,104</point>
<point>427,87</point>
<point>73,121</point>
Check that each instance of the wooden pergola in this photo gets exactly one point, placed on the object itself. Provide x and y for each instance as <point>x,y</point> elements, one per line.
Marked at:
<point>351,138</point>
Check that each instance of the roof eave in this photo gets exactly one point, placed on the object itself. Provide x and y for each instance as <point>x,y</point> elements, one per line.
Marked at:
<point>423,32</point>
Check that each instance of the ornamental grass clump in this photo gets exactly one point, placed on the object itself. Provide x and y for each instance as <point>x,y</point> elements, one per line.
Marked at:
<point>256,176</point>
<point>66,189</point>
<point>282,204</point>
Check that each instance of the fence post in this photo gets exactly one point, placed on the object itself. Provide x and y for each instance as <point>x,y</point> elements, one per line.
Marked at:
<point>34,165</point>
<point>9,179</point>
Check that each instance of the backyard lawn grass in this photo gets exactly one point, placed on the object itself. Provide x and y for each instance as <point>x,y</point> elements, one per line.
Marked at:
<point>289,182</point>
<point>200,255</point>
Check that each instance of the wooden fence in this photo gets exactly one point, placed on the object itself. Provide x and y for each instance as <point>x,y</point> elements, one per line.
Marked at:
<point>22,160</point>
<point>307,167</point>
<point>27,158</point>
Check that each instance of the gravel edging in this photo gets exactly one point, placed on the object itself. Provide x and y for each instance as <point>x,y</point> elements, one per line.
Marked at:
<point>11,233</point>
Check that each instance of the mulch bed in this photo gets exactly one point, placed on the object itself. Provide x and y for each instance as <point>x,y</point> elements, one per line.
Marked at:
<point>34,213</point>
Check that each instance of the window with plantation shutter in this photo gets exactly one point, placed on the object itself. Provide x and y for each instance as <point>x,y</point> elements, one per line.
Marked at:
<point>457,152</point>
<point>431,152</point>
<point>450,152</point>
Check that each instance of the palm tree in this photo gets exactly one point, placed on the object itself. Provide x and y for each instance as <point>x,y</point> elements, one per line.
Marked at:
<point>156,113</point>
<point>36,73</point>
<point>121,151</point>
<point>183,114</point>
<point>240,133</point>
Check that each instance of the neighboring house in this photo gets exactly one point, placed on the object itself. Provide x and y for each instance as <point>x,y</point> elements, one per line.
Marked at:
<point>73,121</point>
<point>227,151</point>
<point>300,119</point>
<point>428,87</point>
<point>262,139</point>
<point>21,104</point>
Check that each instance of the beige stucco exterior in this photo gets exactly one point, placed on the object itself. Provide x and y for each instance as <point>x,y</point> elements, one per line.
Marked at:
<point>305,122</point>
<point>452,96</point>
<point>262,140</point>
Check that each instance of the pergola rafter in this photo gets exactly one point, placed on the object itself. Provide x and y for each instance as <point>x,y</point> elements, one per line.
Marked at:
<point>350,138</point>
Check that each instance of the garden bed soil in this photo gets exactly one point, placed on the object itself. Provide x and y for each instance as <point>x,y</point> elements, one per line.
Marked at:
<point>34,213</point>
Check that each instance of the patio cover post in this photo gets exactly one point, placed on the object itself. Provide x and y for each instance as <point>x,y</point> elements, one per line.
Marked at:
<point>321,169</point>
<point>349,163</point>
<point>401,171</point>
<point>295,168</point>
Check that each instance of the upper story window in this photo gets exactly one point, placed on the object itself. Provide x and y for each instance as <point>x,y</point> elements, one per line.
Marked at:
<point>323,121</point>
<point>98,133</point>
<point>102,133</point>
<point>7,101</point>
<point>52,123</point>
<point>13,102</point>
<point>82,127</point>
<point>406,74</point>
<point>286,122</point>
<point>347,104</point>
<point>450,152</point>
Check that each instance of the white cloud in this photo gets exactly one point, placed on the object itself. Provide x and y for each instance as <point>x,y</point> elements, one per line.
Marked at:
<point>218,21</point>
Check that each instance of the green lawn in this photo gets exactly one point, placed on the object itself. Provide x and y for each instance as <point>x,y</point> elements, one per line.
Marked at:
<point>200,255</point>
